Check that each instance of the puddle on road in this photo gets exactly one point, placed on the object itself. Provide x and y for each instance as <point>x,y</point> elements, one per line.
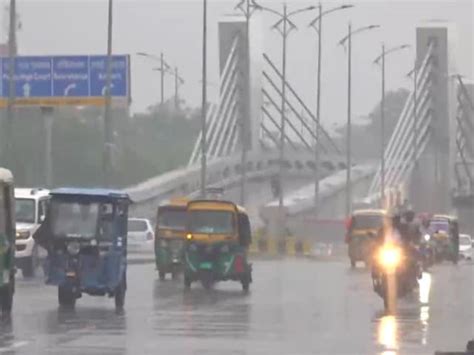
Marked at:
<point>409,325</point>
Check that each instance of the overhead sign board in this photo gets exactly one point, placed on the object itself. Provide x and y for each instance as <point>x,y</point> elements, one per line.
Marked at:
<point>65,80</point>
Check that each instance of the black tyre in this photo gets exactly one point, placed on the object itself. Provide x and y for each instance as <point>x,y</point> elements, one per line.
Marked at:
<point>162,275</point>
<point>6,297</point>
<point>245,285</point>
<point>187,282</point>
<point>66,297</point>
<point>120,295</point>
<point>174,274</point>
<point>29,268</point>
<point>353,263</point>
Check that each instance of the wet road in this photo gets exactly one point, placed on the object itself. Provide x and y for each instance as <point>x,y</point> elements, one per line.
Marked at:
<point>294,307</point>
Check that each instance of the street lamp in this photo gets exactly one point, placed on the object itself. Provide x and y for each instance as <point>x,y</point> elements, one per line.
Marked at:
<point>247,8</point>
<point>381,57</point>
<point>319,29</point>
<point>204,101</point>
<point>288,26</point>
<point>108,130</point>
<point>164,68</point>
<point>178,81</point>
<point>348,39</point>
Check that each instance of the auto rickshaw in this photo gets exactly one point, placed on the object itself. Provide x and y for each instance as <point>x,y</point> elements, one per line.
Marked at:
<point>361,231</point>
<point>444,231</point>
<point>85,235</point>
<point>170,236</point>
<point>7,241</point>
<point>218,235</point>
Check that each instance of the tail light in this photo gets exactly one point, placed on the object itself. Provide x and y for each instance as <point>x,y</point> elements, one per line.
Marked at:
<point>239,264</point>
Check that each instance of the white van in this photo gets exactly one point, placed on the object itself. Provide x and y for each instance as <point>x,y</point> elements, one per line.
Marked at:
<point>30,212</point>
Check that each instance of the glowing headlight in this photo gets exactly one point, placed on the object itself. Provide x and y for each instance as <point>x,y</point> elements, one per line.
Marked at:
<point>390,256</point>
<point>25,234</point>
<point>427,237</point>
<point>73,248</point>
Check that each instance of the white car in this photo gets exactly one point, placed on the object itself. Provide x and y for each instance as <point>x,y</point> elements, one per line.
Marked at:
<point>465,246</point>
<point>30,212</point>
<point>140,236</point>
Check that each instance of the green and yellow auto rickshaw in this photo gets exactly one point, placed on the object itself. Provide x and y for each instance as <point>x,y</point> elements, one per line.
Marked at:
<point>444,231</point>
<point>218,235</point>
<point>362,229</point>
<point>169,237</point>
<point>7,241</point>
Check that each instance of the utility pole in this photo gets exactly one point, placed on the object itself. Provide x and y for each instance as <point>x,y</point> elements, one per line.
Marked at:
<point>204,102</point>
<point>11,86</point>
<point>349,125</point>
<point>162,78</point>
<point>107,158</point>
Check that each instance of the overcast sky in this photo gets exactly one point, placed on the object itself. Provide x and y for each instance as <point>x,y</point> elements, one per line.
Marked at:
<point>174,27</point>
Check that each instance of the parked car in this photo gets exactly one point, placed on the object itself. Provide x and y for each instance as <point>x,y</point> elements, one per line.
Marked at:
<point>140,234</point>
<point>465,246</point>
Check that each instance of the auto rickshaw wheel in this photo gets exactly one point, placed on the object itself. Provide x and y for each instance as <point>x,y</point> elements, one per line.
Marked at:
<point>6,297</point>
<point>162,275</point>
<point>174,274</point>
<point>187,282</point>
<point>120,295</point>
<point>66,297</point>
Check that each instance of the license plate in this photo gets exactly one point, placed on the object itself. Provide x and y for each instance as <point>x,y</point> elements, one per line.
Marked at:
<point>205,266</point>
<point>71,274</point>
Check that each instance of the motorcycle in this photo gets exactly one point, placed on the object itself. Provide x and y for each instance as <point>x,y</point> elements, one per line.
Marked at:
<point>393,276</point>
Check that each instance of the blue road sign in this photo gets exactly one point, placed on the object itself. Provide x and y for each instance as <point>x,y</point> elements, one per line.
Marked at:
<point>32,77</point>
<point>71,76</point>
<point>65,80</point>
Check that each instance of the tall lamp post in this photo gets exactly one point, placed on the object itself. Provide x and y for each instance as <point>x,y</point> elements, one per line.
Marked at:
<point>107,158</point>
<point>348,39</point>
<point>204,101</point>
<point>284,26</point>
<point>381,58</point>
<point>164,68</point>
<point>317,24</point>
<point>11,86</point>
<point>247,8</point>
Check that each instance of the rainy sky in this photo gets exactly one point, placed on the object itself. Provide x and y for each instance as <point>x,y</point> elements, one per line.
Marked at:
<point>174,27</point>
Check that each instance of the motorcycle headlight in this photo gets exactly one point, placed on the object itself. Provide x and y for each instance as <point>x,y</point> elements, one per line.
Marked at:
<point>73,248</point>
<point>390,256</point>
<point>427,237</point>
<point>23,234</point>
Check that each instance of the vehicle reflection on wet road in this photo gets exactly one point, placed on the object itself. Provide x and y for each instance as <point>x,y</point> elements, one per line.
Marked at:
<point>294,307</point>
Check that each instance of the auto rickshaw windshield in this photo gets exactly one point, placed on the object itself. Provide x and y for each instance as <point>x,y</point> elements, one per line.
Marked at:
<point>367,221</point>
<point>74,219</point>
<point>173,219</point>
<point>211,222</point>
<point>439,226</point>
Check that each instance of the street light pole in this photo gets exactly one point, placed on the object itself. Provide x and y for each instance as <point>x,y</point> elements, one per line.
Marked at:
<point>11,86</point>
<point>319,30</point>
<point>349,125</point>
<point>107,117</point>
<point>162,78</point>
<point>348,39</point>
<point>204,102</point>
<point>282,121</point>
<point>381,58</point>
